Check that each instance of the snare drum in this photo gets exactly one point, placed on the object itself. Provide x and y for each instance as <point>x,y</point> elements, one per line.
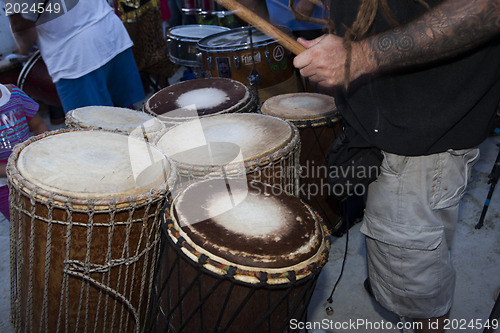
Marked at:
<point>135,123</point>
<point>247,267</point>
<point>317,119</point>
<point>85,230</point>
<point>36,82</point>
<point>252,146</point>
<point>199,98</point>
<point>182,40</point>
<point>229,54</point>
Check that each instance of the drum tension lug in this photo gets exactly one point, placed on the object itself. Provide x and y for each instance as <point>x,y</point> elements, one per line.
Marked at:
<point>268,56</point>
<point>236,61</point>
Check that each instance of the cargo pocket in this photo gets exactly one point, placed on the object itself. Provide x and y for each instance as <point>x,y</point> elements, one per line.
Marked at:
<point>407,259</point>
<point>451,175</point>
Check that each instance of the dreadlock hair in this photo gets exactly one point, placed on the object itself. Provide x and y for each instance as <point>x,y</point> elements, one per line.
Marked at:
<point>364,21</point>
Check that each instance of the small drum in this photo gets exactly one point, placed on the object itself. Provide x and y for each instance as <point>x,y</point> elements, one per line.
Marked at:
<point>229,54</point>
<point>239,259</point>
<point>85,229</point>
<point>135,123</point>
<point>252,146</point>
<point>182,41</point>
<point>317,119</point>
<point>198,98</point>
<point>36,82</point>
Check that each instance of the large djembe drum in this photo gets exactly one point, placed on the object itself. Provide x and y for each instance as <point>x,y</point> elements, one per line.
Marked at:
<point>128,121</point>
<point>84,230</point>
<point>317,119</point>
<point>253,146</point>
<point>200,98</point>
<point>237,259</point>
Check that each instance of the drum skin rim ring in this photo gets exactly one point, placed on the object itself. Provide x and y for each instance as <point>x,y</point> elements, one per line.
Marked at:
<point>247,274</point>
<point>255,163</point>
<point>249,102</point>
<point>21,184</point>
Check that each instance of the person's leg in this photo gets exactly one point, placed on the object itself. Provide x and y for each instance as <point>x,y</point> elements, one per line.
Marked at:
<point>87,90</point>
<point>409,222</point>
<point>123,80</point>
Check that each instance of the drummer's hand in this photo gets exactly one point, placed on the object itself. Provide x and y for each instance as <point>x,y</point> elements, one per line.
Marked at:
<point>324,60</point>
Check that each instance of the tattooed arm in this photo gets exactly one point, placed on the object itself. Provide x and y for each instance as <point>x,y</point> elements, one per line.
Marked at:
<point>452,27</point>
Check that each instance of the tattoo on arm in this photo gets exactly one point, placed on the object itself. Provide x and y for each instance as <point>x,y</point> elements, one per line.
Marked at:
<point>446,30</point>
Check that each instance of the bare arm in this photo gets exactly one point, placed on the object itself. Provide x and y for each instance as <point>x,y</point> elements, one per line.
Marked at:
<point>24,32</point>
<point>445,30</point>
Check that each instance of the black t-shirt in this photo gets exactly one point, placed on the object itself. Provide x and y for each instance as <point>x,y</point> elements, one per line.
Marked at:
<point>428,109</point>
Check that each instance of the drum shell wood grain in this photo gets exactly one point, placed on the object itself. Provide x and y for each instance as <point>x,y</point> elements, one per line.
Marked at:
<point>57,240</point>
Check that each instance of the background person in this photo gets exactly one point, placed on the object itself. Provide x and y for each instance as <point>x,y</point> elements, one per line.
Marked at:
<point>18,116</point>
<point>86,48</point>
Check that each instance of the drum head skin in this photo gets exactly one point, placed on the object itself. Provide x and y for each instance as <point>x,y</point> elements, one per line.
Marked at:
<point>300,106</point>
<point>233,40</point>
<point>194,32</point>
<point>218,140</point>
<point>114,119</point>
<point>93,165</point>
<point>258,226</point>
<point>200,96</point>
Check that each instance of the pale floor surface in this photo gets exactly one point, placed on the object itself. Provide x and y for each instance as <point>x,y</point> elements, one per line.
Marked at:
<point>476,255</point>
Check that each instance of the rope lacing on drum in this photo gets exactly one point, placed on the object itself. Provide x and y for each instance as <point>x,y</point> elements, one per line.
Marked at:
<point>50,207</point>
<point>292,276</point>
<point>31,262</point>
<point>202,260</point>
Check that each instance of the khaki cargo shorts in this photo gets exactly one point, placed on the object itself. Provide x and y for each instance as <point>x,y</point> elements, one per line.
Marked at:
<point>409,221</point>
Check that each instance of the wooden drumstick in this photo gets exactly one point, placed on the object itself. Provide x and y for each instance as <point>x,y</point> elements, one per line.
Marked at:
<point>250,17</point>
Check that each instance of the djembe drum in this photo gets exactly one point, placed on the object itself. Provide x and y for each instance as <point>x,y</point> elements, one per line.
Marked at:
<point>200,98</point>
<point>85,229</point>
<point>317,119</point>
<point>131,122</point>
<point>253,146</point>
<point>237,259</point>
